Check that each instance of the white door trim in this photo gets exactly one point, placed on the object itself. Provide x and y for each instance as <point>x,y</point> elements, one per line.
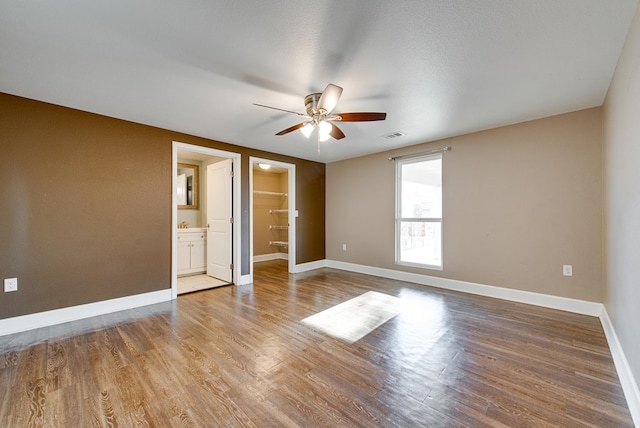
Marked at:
<point>237,224</point>
<point>291,200</point>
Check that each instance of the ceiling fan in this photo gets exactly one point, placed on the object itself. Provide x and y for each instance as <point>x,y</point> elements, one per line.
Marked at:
<point>319,107</point>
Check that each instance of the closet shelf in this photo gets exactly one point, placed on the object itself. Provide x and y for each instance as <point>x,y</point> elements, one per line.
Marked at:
<point>279,243</point>
<point>263,192</point>
<point>277,227</point>
<point>278,211</point>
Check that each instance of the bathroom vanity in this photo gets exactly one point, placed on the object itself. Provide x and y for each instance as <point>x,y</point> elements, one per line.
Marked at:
<point>192,251</point>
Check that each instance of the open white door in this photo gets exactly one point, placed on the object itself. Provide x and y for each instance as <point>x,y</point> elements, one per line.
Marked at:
<point>219,220</point>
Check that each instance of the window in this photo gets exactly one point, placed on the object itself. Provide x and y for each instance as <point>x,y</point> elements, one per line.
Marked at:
<point>419,211</point>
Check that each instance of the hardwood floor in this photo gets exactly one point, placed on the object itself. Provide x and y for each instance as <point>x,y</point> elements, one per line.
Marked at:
<point>240,356</point>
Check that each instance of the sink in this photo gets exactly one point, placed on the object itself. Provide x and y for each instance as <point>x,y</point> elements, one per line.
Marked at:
<point>192,229</point>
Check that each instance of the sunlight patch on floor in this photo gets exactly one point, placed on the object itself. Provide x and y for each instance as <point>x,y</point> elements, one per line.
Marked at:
<point>352,320</point>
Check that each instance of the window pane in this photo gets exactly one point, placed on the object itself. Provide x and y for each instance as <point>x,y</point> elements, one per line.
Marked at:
<point>422,189</point>
<point>420,242</point>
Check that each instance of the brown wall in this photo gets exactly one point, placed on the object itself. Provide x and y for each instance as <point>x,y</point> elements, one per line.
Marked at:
<point>519,202</point>
<point>86,206</point>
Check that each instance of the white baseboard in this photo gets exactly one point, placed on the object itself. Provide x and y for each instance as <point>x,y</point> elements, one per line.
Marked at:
<point>271,256</point>
<point>544,300</point>
<point>58,316</point>
<point>245,279</point>
<point>304,267</point>
<point>629,384</point>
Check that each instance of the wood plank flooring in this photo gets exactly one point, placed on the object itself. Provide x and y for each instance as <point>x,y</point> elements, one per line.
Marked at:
<point>240,356</point>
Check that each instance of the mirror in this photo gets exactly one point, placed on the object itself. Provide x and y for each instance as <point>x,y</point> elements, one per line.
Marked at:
<point>187,188</point>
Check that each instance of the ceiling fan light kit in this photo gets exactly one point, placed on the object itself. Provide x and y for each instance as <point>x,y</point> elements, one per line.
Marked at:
<point>307,129</point>
<point>319,106</point>
<point>324,129</point>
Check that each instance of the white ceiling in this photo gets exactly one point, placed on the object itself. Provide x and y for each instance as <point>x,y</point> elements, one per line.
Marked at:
<point>438,68</point>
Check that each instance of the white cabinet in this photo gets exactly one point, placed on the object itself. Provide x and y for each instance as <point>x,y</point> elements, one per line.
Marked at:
<point>192,252</point>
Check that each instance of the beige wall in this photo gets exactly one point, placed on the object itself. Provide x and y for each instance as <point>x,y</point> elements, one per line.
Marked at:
<point>519,202</point>
<point>622,201</point>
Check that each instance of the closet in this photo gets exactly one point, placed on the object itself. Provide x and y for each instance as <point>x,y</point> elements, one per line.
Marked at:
<point>270,213</point>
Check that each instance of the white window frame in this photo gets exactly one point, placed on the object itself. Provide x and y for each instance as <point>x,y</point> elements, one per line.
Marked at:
<point>399,219</point>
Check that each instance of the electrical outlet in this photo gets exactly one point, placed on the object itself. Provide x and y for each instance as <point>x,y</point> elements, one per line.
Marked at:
<point>567,270</point>
<point>10,284</point>
<point>344,247</point>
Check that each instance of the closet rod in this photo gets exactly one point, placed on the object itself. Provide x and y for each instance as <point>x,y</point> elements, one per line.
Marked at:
<point>264,192</point>
<point>428,152</point>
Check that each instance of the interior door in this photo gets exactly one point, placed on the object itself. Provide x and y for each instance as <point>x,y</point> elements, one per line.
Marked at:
<point>219,220</point>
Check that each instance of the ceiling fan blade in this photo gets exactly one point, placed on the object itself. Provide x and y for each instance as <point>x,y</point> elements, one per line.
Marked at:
<point>291,129</point>
<point>281,109</point>
<point>336,132</point>
<point>360,117</point>
<point>329,98</point>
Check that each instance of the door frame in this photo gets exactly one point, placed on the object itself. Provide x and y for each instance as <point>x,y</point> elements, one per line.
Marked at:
<point>291,215</point>
<point>236,207</point>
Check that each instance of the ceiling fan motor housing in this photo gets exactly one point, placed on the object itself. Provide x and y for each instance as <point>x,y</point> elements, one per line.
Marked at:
<point>311,103</point>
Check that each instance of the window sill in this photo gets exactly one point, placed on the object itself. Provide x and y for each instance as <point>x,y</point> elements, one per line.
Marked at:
<point>419,265</point>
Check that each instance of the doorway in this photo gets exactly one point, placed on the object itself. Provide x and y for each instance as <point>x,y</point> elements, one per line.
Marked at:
<point>205,240</point>
<point>272,212</point>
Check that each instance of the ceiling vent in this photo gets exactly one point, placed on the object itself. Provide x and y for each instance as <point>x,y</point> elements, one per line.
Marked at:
<point>394,135</point>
